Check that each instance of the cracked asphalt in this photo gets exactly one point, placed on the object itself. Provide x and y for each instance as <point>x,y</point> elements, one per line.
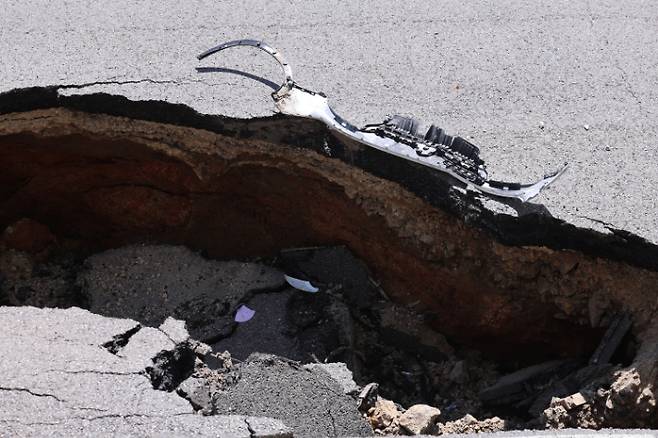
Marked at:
<point>62,382</point>
<point>534,84</point>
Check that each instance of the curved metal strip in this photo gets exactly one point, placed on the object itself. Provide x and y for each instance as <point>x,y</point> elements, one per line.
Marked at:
<point>285,87</point>
<point>296,101</point>
<point>526,191</point>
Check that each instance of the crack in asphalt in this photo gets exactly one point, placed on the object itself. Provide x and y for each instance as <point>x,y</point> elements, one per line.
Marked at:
<point>29,391</point>
<point>333,422</point>
<point>108,373</point>
<point>629,87</point>
<point>130,82</point>
<point>252,432</point>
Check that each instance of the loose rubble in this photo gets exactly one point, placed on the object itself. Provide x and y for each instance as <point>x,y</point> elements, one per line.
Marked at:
<point>598,406</point>
<point>419,419</point>
<point>384,417</point>
<point>342,361</point>
<point>470,424</point>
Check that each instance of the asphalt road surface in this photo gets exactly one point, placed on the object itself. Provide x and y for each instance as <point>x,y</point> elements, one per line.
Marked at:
<point>534,84</point>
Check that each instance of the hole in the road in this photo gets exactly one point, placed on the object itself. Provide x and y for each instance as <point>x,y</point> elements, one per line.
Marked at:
<point>349,320</point>
<point>411,298</point>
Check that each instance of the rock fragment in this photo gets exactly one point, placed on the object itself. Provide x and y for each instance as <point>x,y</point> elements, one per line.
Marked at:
<point>573,401</point>
<point>310,401</point>
<point>199,388</point>
<point>419,419</point>
<point>339,372</point>
<point>470,424</point>
<point>149,283</point>
<point>384,416</point>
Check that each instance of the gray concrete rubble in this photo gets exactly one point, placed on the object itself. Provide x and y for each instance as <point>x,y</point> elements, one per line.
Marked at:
<point>56,378</point>
<point>78,373</point>
<point>150,283</point>
<point>339,372</point>
<point>310,401</point>
<point>308,359</point>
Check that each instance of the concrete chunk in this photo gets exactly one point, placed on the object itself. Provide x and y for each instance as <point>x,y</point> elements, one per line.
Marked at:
<point>419,419</point>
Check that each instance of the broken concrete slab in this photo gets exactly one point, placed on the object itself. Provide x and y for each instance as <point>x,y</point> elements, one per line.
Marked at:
<point>268,331</point>
<point>419,419</point>
<point>175,329</point>
<point>314,403</point>
<point>62,381</point>
<point>339,372</point>
<point>384,416</point>
<point>150,283</point>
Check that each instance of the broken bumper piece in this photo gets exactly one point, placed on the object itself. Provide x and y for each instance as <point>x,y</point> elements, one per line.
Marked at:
<point>397,135</point>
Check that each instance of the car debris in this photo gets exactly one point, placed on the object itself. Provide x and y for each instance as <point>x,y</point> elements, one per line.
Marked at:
<point>330,269</point>
<point>611,340</point>
<point>303,285</point>
<point>397,135</point>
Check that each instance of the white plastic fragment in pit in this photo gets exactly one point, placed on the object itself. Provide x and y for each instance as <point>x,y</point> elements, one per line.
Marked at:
<point>302,285</point>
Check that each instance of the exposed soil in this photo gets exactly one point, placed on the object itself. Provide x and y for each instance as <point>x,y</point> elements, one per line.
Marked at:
<point>432,305</point>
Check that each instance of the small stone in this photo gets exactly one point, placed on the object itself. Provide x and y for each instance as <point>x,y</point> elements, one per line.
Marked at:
<point>573,401</point>
<point>586,127</point>
<point>383,414</point>
<point>541,125</point>
<point>419,419</point>
<point>201,349</point>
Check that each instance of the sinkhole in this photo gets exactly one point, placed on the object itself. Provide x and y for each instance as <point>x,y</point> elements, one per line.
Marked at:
<point>430,295</point>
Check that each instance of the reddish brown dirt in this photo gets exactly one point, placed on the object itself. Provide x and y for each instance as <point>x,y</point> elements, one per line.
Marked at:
<point>101,181</point>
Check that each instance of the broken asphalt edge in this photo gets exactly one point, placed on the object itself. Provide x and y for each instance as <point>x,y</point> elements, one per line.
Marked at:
<point>534,225</point>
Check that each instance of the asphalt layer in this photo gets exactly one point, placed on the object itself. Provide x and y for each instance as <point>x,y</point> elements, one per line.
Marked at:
<point>58,379</point>
<point>533,84</point>
<point>150,283</point>
<point>305,399</point>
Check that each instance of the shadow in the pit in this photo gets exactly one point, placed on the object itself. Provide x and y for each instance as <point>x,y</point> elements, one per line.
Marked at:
<point>524,208</point>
